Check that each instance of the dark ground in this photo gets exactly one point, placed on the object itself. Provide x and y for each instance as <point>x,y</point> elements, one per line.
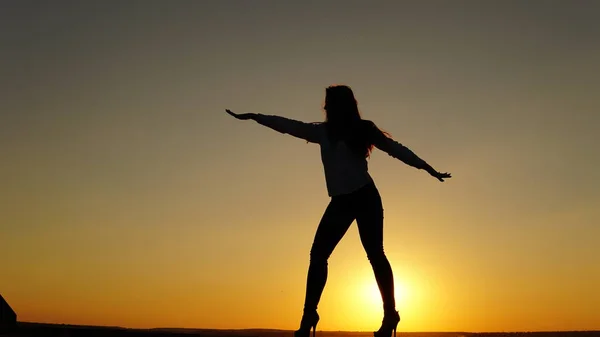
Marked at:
<point>43,330</point>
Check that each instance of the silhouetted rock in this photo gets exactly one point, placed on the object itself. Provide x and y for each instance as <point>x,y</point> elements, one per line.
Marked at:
<point>8,317</point>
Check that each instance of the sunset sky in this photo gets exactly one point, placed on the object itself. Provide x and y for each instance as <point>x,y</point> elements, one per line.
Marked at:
<point>130,198</point>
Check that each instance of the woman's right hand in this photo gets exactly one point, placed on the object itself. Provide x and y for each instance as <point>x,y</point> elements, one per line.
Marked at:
<point>441,176</point>
<point>243,116</point>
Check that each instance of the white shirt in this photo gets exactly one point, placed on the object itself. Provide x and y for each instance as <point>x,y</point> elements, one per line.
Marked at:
<point>345,171</point>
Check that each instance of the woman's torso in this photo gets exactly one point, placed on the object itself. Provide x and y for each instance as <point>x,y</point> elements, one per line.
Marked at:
<point>345,170</point>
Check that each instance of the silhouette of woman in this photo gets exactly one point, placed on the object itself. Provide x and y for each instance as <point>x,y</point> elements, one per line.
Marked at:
<point>346,141</point>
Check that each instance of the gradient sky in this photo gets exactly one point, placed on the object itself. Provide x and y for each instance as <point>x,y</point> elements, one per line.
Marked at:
<point>130,198</point>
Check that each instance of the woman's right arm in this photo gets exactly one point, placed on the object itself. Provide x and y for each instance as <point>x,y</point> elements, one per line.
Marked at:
<point>401,152</point>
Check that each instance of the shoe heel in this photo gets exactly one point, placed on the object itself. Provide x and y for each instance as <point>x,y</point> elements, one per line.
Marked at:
<point>388,327</point>
<point>309,322</point>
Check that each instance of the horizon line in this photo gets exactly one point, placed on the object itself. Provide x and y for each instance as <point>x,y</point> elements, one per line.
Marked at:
<point>288,330</point>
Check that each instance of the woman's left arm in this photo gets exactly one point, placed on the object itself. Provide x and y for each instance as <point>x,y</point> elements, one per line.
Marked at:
<point>303,130</point>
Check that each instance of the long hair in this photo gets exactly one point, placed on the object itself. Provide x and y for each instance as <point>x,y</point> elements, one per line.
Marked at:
<point>344,122</point>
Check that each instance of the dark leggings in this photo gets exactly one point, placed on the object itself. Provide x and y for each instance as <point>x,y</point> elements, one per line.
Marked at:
<point>365,206</point>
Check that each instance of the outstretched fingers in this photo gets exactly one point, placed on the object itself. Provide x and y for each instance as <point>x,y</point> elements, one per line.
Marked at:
<point>242,116</point>
<point>442,176</point>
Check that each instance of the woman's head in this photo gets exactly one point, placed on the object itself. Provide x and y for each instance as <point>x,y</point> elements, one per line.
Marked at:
<point>340,105</point>
<point>344,122</point>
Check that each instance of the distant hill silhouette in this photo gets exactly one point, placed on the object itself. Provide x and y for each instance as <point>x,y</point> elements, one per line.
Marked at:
<point>64,330</point>
<point>8,317</point>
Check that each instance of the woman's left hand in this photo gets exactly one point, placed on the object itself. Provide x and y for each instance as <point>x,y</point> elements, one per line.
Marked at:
<point>243,116</point>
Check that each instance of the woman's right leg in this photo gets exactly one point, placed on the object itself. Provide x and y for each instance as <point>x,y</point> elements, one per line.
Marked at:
<point>370,228</point>
<point>333,225</point>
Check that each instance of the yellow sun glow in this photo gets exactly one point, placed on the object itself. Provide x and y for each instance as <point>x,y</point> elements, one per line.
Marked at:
<point>371,292</point>
<point>367,303</point>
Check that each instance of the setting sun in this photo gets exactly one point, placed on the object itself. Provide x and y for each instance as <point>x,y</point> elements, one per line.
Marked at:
<point>366,304</point>
<point>372,295</point>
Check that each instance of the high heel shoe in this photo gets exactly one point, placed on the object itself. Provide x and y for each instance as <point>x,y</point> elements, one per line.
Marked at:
<point>309,321</point>
<point>389,325</point>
